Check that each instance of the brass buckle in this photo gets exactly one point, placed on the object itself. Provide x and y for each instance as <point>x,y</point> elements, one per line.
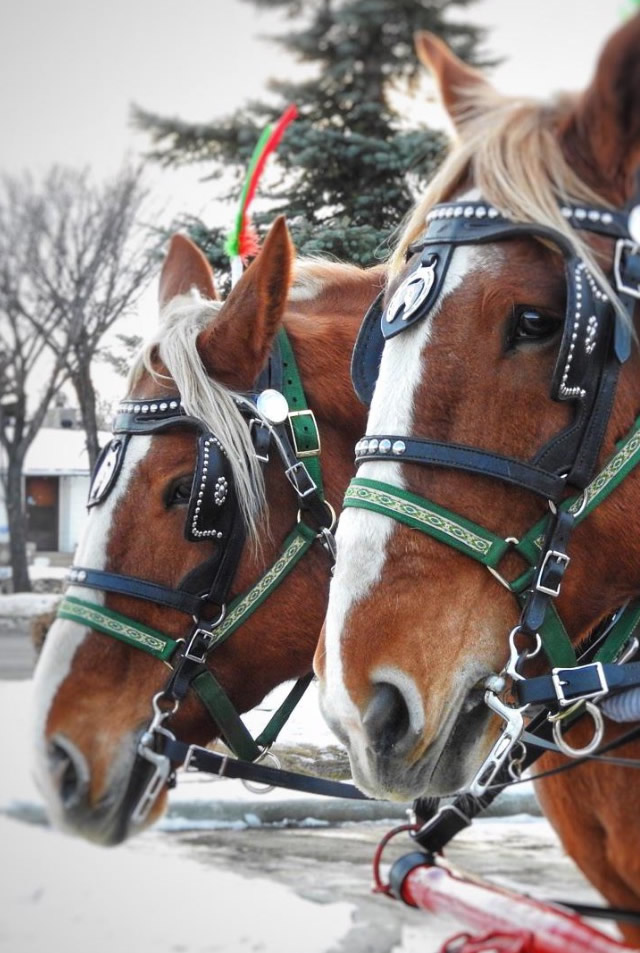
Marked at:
<point>301,454</point>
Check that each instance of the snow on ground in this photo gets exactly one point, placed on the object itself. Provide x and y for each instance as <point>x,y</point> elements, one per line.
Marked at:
<point>146,896</point>
<point>64,894</point>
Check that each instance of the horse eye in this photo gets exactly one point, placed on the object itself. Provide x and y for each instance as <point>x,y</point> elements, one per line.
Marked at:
<point>179,492</point>
<point>530,325</point>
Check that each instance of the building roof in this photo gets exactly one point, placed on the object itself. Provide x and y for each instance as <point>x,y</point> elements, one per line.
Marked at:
<point>56,450</point>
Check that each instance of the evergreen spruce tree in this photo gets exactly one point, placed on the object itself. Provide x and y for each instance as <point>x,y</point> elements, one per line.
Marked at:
<point>345,166</point>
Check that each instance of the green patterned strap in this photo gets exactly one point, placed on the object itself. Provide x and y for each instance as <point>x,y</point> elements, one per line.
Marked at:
<point>619,466</point>
<point>119,626</point>
<point>293,549</point>
<point>304,429</point>
<point>436,521</point>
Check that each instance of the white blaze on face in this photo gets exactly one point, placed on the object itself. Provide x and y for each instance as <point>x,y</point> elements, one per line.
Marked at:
<point>64,637</point>
<point>362,536</point>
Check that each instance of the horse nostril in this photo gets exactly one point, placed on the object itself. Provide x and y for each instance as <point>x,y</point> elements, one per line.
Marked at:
<point>386,721</point>
<point>69,772</point>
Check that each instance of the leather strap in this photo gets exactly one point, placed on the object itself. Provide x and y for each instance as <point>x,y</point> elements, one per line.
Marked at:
<point>138,588</point>
<point>192,757</point>
<point>461,457</point>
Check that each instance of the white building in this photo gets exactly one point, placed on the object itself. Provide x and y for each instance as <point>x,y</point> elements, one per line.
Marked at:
<point>56,484</point>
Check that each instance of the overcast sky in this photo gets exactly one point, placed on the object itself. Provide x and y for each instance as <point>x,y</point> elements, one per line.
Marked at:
<point>69,70</point>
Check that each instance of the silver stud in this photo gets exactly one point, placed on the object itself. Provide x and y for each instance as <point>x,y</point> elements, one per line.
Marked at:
<point>566,211</point>
<point>173,404</point>
<point>163,406</point>
<point>493,213</point>
<point>468,212</point>
<point>145,408</point>
<point>81,576</point>
<point>373,445</point>
<point>385,446</point>
<point>399,446</point>
<point>481,211</point>
<point>137,408</point>
<point>580,214</point>
<point>153,408</point>
<point>607,218</point>
<point>594,215</point>
<point>458,211</point>
<point>365,446</point>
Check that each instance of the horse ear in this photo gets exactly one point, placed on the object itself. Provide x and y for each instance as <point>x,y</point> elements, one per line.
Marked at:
<point>453,77</point>
<point>184,268</point>
<point>602,133</point>
<point>235,346</point>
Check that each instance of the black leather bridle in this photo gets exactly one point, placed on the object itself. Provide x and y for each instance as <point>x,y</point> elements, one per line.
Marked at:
<point>596,341</point>
<point>277,417</point>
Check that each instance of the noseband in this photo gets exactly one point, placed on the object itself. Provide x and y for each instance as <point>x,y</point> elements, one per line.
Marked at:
<point>596,341</point>
<point>277,416</point>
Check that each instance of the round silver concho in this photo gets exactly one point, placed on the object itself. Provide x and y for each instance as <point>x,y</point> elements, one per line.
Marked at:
<point>633,224</point>
<point>412,293</point>
<point>273,406</point>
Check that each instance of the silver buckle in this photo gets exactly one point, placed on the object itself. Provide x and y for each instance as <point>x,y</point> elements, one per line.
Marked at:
<point>551,554</point>
<point>290,474</point>
<point>558,684</point>
<point>192,749</point>
<point>199,658</point>
<point>301,454</point>
<point>258,422</point>
<point>621,245</point>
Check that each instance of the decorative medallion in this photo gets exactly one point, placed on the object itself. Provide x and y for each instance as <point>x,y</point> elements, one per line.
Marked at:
<point>272,405</point>
<point>412,293</point>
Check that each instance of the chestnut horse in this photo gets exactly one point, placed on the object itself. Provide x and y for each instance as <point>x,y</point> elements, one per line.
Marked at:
<point>416,631</point>
<point>93,692</point>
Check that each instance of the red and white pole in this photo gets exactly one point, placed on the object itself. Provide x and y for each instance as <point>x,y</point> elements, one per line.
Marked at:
<point>528,925</point>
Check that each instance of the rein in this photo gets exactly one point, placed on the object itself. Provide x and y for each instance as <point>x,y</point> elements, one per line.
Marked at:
<point>596,340</point>
<point>277,415</point>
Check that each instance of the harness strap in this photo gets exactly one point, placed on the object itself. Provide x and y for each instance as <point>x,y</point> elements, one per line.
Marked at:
<point>177,599</point>
<point>304,429</point>
<point>121,627</point>
<point>434,520</point>
<point>208,689</point>
<point>462,457</point>
<point>196,758</point>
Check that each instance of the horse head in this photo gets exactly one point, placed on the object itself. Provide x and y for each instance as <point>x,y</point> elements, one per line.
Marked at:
<point>505,328</point>
<point>200,506</point>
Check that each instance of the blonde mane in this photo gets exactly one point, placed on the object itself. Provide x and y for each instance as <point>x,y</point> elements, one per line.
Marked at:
<point>509,150</point>
<point>174,344</point>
